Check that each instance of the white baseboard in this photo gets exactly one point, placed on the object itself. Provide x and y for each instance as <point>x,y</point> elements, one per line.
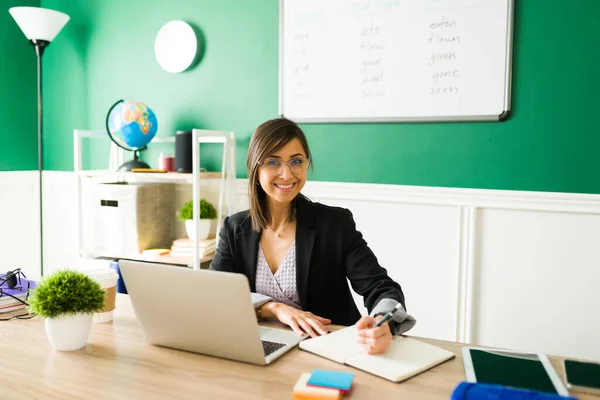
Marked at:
<point>501,268</point>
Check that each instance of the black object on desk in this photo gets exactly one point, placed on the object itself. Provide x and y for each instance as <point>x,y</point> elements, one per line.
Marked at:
<point>183,151</point>
<point>512,369</point>
<point>582,376</point>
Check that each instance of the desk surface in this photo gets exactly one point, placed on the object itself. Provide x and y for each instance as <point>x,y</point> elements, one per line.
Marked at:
<point>116,363</point>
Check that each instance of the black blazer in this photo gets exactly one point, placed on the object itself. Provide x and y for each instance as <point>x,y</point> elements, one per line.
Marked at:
<point>329,252</point>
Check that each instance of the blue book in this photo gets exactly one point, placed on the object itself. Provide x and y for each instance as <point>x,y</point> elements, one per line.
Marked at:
<point>331,379</point>
<point>484,391</point>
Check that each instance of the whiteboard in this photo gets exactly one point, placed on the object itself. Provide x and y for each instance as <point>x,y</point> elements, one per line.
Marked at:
<point>395,60</point>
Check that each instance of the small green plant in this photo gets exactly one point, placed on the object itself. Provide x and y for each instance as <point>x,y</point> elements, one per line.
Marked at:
<point>207,210</point>
<point>66,292</point>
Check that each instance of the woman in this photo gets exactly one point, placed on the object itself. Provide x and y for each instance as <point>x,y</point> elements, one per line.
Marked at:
<point>299,255</point>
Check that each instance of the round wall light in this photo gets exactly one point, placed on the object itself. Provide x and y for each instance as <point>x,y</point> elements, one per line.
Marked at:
<point>176,46</point>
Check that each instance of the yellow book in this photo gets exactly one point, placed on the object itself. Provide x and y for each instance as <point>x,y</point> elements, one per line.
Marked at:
<point>148,170</point>
<point>158,252</point>
<point>302,391</point>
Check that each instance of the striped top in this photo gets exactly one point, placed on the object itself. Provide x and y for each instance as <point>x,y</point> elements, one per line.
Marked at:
<point>281,286</point>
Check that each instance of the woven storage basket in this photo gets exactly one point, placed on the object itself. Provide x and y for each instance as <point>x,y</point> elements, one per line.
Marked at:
<point>128,217</point>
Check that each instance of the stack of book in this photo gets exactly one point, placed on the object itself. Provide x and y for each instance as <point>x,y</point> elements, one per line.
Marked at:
<point>322,384</point>
<point>15,298</point>
<point>184,247</point>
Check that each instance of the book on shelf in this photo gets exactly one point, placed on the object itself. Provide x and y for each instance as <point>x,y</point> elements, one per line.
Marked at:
<point>404,358</point>
<point>187,242</point>
<point>190,252</point>
<point>184,247</point>
<point>13,307</point>
<point>157,252</point>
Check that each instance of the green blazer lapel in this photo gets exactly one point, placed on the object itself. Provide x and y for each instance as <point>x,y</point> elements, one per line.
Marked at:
<point>305,239</point>
<point>247,245</point>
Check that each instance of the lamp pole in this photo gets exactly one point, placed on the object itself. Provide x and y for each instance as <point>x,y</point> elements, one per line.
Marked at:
<point>40,45</point>
<point>40,26</point>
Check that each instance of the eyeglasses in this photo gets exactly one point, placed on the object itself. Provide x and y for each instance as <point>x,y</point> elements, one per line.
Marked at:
<point>274,166</point>
<point>12,282</point>
<point>4,317</point>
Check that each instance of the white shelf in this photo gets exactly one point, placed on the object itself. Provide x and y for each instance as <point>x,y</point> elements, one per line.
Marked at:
<point>163,259</point>
<point>147,176</point>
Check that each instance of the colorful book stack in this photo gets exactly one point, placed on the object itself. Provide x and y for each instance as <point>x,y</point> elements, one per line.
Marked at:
<point>322,384</point>
<point>15,298</point>
<point>184,247</point>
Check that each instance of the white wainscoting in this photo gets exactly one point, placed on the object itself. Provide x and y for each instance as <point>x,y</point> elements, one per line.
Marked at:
<point>19,222</point>
<point>500,268</point>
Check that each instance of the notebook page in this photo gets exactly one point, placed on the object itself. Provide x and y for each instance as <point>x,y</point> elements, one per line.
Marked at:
<point>336,346</point>
<point>406,357</point>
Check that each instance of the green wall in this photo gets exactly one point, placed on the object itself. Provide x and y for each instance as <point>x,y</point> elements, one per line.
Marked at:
<point>550,143</point>
<point>18,93</point>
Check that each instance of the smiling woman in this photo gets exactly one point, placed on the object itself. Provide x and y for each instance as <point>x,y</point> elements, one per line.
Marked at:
<point>278,174</point>
<point>298,255</point>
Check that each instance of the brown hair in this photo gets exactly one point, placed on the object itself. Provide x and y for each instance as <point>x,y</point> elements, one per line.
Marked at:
<point>267,139</point>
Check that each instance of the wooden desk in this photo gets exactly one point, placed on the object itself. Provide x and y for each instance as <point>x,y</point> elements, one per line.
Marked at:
<point>116,363</point>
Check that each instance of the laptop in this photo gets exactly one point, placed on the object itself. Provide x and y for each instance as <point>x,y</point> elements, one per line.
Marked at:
<point>201,311</point>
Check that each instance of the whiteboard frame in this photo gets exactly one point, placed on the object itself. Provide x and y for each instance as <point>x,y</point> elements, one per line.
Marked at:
<point>438,118</point>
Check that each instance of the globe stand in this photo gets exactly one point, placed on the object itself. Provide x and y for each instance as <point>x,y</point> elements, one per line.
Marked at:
<point>135,163</point>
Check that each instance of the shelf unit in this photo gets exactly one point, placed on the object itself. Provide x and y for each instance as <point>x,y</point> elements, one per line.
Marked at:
<point>226,201</point>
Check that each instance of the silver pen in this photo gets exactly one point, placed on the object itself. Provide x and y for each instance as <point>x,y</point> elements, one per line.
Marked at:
<point>387,316</point>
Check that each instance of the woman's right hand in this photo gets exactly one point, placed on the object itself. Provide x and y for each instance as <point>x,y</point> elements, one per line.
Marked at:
<point>300,321</point>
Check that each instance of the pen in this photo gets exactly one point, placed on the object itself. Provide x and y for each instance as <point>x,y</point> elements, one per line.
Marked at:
<point>388,316</point>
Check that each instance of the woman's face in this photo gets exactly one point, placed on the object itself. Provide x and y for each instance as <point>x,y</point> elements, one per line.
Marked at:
<point>282,182</point>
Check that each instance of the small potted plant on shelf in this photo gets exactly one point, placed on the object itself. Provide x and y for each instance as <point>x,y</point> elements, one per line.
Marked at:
<point>207,214</point>
<point>67,300</point>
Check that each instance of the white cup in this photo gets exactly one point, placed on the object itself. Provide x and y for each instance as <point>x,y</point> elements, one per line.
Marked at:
<point>107,278</point>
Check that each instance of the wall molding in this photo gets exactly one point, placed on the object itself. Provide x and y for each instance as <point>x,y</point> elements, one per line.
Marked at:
<point>447,196</point>
<point>479,198</point>
<point>467,231</point>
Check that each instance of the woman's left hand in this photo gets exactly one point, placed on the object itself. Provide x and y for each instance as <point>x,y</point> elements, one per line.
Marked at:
<point>374,340</point>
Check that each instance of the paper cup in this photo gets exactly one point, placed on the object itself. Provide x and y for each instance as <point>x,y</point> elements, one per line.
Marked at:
<point>107,278</point>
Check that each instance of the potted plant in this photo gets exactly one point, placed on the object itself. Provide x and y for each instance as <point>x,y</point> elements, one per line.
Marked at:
<point>67,300</point>
<point>207,214</point>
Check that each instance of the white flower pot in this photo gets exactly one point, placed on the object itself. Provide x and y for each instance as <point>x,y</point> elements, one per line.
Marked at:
<point>69,332</point>
<point>204,225</point>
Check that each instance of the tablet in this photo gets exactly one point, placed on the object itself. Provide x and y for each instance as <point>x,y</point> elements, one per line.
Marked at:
<point>582,376</point>
<point>514,369</point>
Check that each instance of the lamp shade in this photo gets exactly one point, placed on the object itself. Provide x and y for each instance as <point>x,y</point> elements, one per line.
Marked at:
<point>39,23</point>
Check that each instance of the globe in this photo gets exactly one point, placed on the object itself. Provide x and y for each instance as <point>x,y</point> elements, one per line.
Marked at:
<point>131,125</point>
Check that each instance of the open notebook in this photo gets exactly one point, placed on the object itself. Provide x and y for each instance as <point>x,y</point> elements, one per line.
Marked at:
<point>405,358</point>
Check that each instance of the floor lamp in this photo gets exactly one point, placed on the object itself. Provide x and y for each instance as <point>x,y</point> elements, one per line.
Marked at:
<point>40,26</point>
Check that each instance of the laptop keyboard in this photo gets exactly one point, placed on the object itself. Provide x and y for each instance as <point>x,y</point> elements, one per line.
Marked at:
<point>270,347</point>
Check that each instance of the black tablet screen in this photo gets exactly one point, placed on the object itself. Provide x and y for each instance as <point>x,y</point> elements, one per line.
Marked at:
<point>509,369</point>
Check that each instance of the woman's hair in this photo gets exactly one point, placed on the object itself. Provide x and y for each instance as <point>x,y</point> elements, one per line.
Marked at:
<point>268,138</point>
